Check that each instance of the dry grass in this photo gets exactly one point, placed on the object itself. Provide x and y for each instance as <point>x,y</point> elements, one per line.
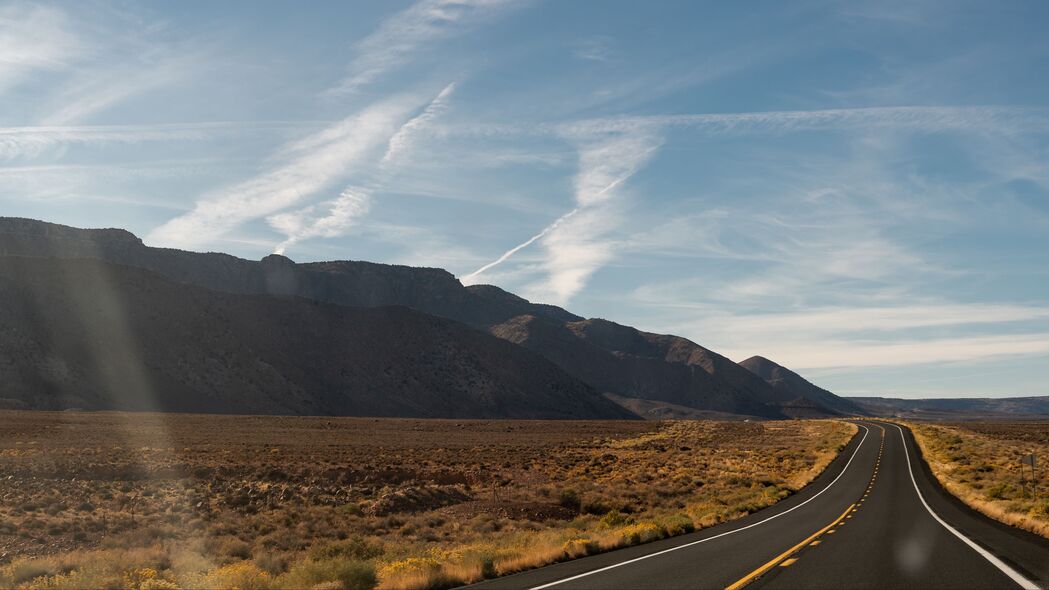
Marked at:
<point>980,464</point>
<point>150,501</point>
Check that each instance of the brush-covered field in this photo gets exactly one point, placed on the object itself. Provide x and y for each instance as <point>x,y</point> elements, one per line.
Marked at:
<point>147,501</point>
<point>979,462</point>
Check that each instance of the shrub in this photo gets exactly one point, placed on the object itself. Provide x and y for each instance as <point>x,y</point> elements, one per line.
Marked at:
<point>613,518</point>
<point>353,575</point>
<point>235,549</point>
<point>679,524</point>
<point>273,564</point>
<point>642,532</point>
<point>243,576</point>
<point>355,548</point>
<point>569,499</point>
<point>26,570</point>
<point>596,507</point>
<point>579,547</point>
<point>997,492</point>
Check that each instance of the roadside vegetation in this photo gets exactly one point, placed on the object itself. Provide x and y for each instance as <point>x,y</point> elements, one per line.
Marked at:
<point>143,501</point>
<point>979,462</point>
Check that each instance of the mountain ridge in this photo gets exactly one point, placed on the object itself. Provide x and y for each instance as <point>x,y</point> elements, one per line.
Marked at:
<point>611,358</point>
<point>82,333</point>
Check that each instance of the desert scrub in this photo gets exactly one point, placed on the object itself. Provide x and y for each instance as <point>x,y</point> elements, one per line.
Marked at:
<point>980,464</point>
<point>269,502</point>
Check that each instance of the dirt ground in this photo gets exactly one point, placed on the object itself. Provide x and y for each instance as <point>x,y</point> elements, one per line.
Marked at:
<point>269,492</point>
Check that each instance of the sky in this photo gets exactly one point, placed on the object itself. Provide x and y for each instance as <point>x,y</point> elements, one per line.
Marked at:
<point>858,191</point>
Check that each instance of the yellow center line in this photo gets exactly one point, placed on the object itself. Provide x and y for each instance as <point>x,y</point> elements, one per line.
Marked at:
<point>782,556</point>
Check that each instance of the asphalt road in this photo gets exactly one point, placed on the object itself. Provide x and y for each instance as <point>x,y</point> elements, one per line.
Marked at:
<point>876,518</point>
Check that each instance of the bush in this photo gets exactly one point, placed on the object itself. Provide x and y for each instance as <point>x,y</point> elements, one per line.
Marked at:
<point>243,576</point>
<point>355,548</point>
<point>570,499</point>
<point>613,518</point>
<point>999,491</point>
<point>642,532</point>
<point>353,575</point>
<point>579,547</point>
<point>596,508</point>
<point>679,524</point>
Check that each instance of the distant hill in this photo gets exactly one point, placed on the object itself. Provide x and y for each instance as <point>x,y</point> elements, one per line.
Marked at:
<point>956,408</point>
<point>94,335</point>
<point>611,358</point>
<point>798,389</point>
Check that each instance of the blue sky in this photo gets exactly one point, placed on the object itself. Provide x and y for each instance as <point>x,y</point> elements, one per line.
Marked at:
<point>857,191</point>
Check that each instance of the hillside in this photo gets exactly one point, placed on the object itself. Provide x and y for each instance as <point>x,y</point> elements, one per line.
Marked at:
<point>94,335</point>
<point>621,360</point>
<point>611,358</point>
<point>797,388</point>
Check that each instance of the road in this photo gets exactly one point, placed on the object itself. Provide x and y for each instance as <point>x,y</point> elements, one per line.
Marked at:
<point>875,518</point>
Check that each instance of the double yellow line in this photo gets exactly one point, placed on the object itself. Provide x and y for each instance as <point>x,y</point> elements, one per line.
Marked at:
<point>783,556</point>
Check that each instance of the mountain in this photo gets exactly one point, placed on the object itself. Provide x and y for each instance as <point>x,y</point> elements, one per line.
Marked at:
<point>365,284</point>
<point>803,393</point>
<point>629,363</point>
<point>613,359</point>
<point>95,335</point>
<point>1006,408</point>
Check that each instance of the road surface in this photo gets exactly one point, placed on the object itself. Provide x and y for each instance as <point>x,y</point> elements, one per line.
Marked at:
<point>876,518</point>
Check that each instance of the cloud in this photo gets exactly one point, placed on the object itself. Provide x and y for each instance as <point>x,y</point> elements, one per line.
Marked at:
<point>1008,120</point>
<point>33,141</point>
<point>845,353</point>
<point>578,243</point>
<point>860,336</point>
<point>472,278</point>
<point>404,139</point>
<point>593,49</point>
<point>303,169</point>
<point>329,219</point>
<point>95,91</point>
<point>406,33</point>
<point>34,38</point>
<point>578,247</point>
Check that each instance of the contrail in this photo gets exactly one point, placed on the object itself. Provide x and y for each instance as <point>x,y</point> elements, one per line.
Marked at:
<point>519,247</point>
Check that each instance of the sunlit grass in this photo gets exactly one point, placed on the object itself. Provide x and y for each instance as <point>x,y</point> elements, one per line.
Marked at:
<point>980,464</point>
<point>393,504</point>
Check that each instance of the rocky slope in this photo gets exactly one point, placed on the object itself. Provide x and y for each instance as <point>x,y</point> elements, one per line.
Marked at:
<point>611,358</point>
<point>804,394</point>
<point>95,335</point>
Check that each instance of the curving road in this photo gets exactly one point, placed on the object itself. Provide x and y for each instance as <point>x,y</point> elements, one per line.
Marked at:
<point>875,518</point>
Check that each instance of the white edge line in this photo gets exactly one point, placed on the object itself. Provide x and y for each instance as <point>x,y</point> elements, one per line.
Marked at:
<point>998,563</point>
<point>734,531</point>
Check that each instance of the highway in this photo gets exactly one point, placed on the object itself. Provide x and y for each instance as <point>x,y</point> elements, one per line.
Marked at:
<point>875,518</point>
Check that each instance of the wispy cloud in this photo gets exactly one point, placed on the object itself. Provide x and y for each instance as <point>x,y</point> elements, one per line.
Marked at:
<point>472,278</point>
<point>579,242</point>
<point>576,248</point>
<point>863,336</point>
<point>403,140</point>
<point>997,119</point>
<point>593,49</point>
<point>33,141</point>
<point>1001,119</point>
<point>402,36</point>
<point>95,91</point>
<point>34,38</point>
<point>329,219</point>
<point>303,169</point>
